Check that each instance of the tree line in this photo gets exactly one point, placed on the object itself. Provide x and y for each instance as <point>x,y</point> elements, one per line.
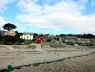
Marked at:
<point>7,39</point>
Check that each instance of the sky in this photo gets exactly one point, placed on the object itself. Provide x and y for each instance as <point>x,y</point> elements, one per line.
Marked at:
<point>49,16</point>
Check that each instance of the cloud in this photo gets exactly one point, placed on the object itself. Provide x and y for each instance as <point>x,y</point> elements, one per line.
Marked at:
<point>27,6</point>
<point>3,5</point>
<point>84,1</point>
<point>6,1</point>
<point>2,21</point>
<point>56,16</point>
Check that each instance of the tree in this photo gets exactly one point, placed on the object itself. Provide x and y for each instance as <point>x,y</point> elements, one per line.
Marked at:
<point>88,36</point>
<point>9,26</point>
<point>62,35</point>
<point>35,35</point>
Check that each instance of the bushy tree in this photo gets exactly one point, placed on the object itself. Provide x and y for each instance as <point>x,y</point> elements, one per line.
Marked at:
<point>9,26</point>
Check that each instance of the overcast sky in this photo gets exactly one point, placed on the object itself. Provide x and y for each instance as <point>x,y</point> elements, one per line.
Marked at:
<point>49,16</point>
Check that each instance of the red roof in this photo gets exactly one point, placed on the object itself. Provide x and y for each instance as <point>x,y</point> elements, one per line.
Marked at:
<point>38,41</point>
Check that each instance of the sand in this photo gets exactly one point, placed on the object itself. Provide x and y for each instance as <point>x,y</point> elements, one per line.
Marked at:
<point>48,60</point>
<point>78,64</point>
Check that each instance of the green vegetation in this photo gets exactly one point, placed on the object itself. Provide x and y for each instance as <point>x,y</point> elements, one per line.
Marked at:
<point>7,39</point>
<point>9,26</point>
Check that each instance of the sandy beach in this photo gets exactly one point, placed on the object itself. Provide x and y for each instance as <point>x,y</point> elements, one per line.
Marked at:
<point>78,64</point>
<point>48,59</point>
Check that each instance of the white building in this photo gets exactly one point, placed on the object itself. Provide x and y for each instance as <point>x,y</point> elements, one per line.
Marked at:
<point>27,36</point>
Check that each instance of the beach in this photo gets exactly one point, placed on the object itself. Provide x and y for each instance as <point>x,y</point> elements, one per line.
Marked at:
<point>78,64</point>
<point>48,59</point>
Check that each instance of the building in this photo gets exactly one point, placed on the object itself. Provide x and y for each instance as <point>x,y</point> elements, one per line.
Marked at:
<point>27,36</point>
<point>7,33</point>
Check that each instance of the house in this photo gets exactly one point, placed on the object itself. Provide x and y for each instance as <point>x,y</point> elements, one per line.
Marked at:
<point>27,36</point>
<point>9,33</point>
<point>2,33</point>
